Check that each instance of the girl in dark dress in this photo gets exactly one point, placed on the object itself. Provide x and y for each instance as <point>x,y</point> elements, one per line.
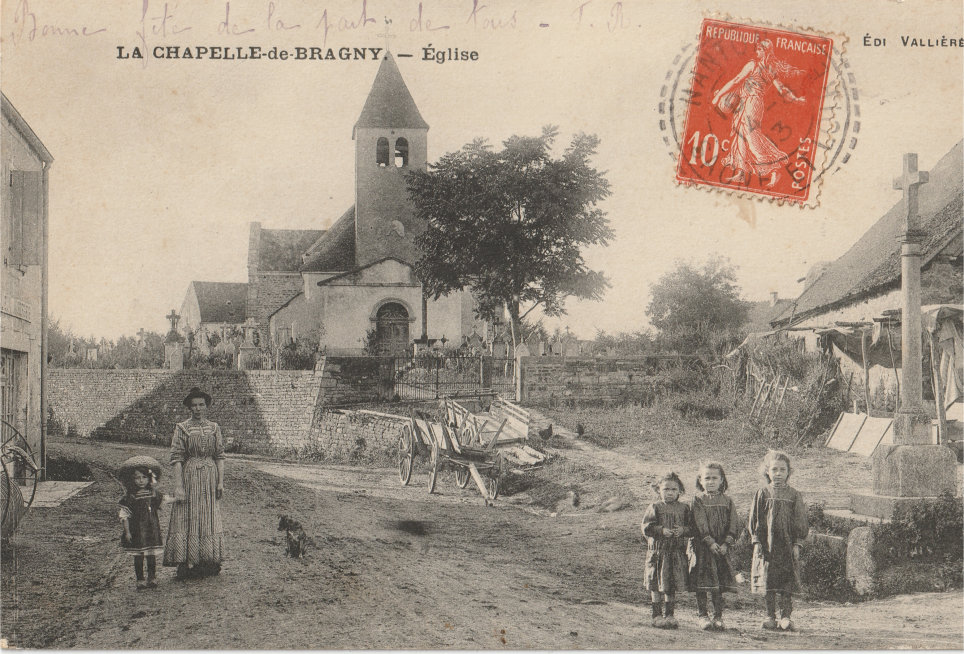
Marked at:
<point>138,513</point>
<point>778,526</point>
<point>716,529</point>
<point>666,526</point>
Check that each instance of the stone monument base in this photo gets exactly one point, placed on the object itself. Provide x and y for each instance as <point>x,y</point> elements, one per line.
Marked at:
<point>173,356</point>
<point>905,474</point>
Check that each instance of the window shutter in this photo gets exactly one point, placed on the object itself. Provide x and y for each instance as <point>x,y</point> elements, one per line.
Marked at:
<point>15,237</point>
<point>32,218</point>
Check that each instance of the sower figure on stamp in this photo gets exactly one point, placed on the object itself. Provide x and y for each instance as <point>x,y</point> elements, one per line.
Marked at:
<point>751,152</point>
<point>195,538</point>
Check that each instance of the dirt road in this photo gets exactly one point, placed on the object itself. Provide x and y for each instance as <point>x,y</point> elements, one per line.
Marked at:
<point>393,568</point>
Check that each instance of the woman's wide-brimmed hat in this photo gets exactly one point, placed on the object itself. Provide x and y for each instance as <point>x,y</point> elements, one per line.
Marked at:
<point>140,461</point>
<point>197,392</point>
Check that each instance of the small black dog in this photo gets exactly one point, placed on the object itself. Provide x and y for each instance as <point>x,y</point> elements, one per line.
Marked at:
<point>297,540</point>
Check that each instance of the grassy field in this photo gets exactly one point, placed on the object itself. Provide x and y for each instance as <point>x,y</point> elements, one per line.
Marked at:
<point>637,444</point>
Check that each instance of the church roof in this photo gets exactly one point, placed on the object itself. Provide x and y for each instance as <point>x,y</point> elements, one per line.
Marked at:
<point>221,301</point>
<point>389,103</point>
<point>335,251</point>
<point>280,250</point>
<point>872,264</point>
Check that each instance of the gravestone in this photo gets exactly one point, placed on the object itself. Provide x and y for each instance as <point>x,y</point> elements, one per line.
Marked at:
<point>173,344</point>
<point>249,356</point>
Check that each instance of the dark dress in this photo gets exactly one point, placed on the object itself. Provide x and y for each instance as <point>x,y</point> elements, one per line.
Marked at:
<point>778,521</point>
<point>140,509</point>
<point>666,564</point>
<point>715,521</point>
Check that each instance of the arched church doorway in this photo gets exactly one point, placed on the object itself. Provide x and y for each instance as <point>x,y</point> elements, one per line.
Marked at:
<point>391,329</point>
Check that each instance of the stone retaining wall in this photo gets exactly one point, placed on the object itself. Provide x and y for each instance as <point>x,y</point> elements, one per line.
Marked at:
<point>560,381</point>
<point>258,410</point>
<point>355,433</point>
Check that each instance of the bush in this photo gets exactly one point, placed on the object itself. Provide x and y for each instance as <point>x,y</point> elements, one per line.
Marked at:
<point>823,572</point>
<point>822,523</point>
<point>678,379</point>
<point>921,548</point>
<point>697,406</point>
<point>810,404</point>
<point>928,530</point>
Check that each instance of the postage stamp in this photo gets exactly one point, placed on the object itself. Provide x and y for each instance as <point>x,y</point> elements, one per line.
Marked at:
<point>756,111</point>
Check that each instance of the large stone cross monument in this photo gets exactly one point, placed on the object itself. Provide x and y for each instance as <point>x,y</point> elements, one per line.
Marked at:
<point>912,468</point>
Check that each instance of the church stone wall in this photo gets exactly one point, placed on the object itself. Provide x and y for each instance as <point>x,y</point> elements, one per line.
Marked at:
<point>272,290</point>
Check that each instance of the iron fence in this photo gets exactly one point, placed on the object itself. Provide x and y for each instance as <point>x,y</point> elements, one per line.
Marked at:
<point>451,375</point>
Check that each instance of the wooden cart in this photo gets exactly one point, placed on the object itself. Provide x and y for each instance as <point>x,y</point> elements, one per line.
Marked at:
<point>424,436</point>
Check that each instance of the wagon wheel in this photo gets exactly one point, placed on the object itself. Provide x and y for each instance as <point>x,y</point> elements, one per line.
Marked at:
<point>492,487</point>
<point>19,461</point>
<point>494,478</point>
<point>462,476</point>
<point>433,472</point>
<point>406,454</point>
<point>468,435</point>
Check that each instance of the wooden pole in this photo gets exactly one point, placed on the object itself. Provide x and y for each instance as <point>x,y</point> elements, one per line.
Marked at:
<point>938,385</point>
<point>864,337</point>
<point>893,361</point>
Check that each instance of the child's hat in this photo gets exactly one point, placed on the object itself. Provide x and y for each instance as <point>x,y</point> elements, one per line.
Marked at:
<point>140,461</point>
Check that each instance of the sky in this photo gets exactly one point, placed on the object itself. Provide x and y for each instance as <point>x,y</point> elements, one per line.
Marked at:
<point>162,164</point>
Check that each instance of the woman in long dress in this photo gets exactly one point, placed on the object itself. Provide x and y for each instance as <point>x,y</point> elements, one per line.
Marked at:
<point>195,538</point>
<point>751,152</point>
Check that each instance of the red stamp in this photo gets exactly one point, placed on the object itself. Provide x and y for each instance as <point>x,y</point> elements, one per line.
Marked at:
<point>755,110</point>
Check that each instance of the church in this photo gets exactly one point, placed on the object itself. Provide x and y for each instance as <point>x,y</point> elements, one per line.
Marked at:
<point>353,286</point>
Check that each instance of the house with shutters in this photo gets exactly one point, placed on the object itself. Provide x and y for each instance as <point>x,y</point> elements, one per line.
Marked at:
<point>26,163</point>
<point>353,286</point>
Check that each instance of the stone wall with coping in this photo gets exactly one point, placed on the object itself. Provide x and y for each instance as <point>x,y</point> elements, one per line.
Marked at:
<point>555,381</point>
<point>257,410</point>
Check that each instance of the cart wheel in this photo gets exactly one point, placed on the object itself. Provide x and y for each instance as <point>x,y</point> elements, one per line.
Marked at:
<point>492,481</point>
<point>433,473</point>
<point>468,436</point>
<point>406,455</point>
<point>492,487</point>
<point>462,476</point>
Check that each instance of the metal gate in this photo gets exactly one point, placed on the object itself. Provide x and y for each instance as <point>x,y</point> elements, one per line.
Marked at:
<point>430,377</point>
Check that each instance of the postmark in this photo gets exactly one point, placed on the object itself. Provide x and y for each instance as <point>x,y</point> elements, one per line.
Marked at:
<point>758,120</point>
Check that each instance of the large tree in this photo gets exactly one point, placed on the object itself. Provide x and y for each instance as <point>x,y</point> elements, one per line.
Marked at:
<point>693,307</point>
<point>511,224</point>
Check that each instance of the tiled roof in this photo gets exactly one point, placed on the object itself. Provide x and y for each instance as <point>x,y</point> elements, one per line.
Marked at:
<point>335,251</point>
<point>389,103</point>
<point>221,301</point>
<point>281,249</point>
<point>762,312</point>
<point>872,264</point>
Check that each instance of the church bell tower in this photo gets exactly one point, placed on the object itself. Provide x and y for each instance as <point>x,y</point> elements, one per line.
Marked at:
<point>391,139</point>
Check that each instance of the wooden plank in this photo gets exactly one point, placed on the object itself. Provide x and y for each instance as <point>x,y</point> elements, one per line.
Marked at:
<point>833,429</point>
<point>478,480</point>
<point>495,438</point>
<point>864,338</point>
<point>938,385</point>
<point>849,425</point>
<point>531,451</point>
